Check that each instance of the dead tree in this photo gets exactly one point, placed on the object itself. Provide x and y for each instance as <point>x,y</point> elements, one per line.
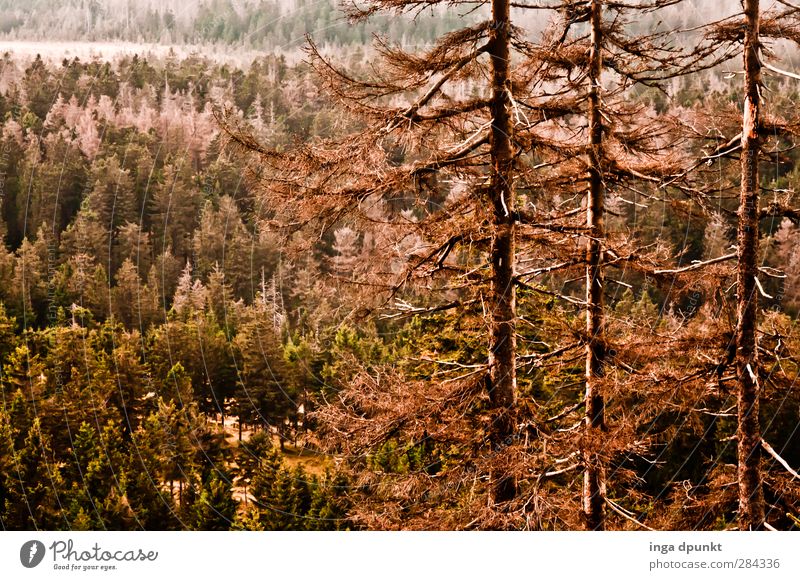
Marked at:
<point>751,494</point>
<point>594,476</point>
<point>428,119</point>
<point>502,377</point>
<point>497,153</point>
<point>595,58</point>
<point>758,141</point>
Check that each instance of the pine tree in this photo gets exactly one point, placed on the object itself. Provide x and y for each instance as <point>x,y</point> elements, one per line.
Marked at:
<point>132,243</point>
<point>214,509</point>
<point>125,295</point>
<point>175,210</point>
<point>112,198</point>
<point>35,486</point>
<point>148,494</point>
<point>7,336</point>
<point>96,472</point>
<point>6,461</point>
<point>263,395</point>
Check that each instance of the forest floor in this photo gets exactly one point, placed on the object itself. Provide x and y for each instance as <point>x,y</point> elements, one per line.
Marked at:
<point>294,453</point>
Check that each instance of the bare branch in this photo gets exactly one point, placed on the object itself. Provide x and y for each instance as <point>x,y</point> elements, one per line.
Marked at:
<point>698,265</point>
<point>768,448</point>
<point>630,518</point>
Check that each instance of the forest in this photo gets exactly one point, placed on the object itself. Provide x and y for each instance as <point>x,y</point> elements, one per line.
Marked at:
<point>463,266</point>
<point>260,24</point>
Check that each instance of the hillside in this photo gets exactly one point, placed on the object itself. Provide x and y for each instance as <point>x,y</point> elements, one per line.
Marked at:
<point>262,24</point>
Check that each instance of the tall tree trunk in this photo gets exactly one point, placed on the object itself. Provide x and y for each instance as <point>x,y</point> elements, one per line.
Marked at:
<point>502,355</point>
<point>594,472</point>
<point>751,495</point>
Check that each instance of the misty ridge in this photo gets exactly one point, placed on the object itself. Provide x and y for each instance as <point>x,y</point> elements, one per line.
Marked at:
<point>263,24</point>
<point>269,24</point>
<point>238,29</point>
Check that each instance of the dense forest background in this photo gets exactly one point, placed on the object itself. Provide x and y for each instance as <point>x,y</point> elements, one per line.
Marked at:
<point>170,359</point>
<point>261,24</point>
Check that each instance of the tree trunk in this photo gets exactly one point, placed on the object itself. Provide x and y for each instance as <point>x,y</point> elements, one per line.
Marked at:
<point>502,355</point>
<point>594,471</point>
<point>751,495</point>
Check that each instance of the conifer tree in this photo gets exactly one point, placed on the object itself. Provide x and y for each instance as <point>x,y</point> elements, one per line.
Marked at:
<point>214,508</point>
<point>751,32</point>
<point>35,486</point>
<point>751,494</point>
<point>408,150</point>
